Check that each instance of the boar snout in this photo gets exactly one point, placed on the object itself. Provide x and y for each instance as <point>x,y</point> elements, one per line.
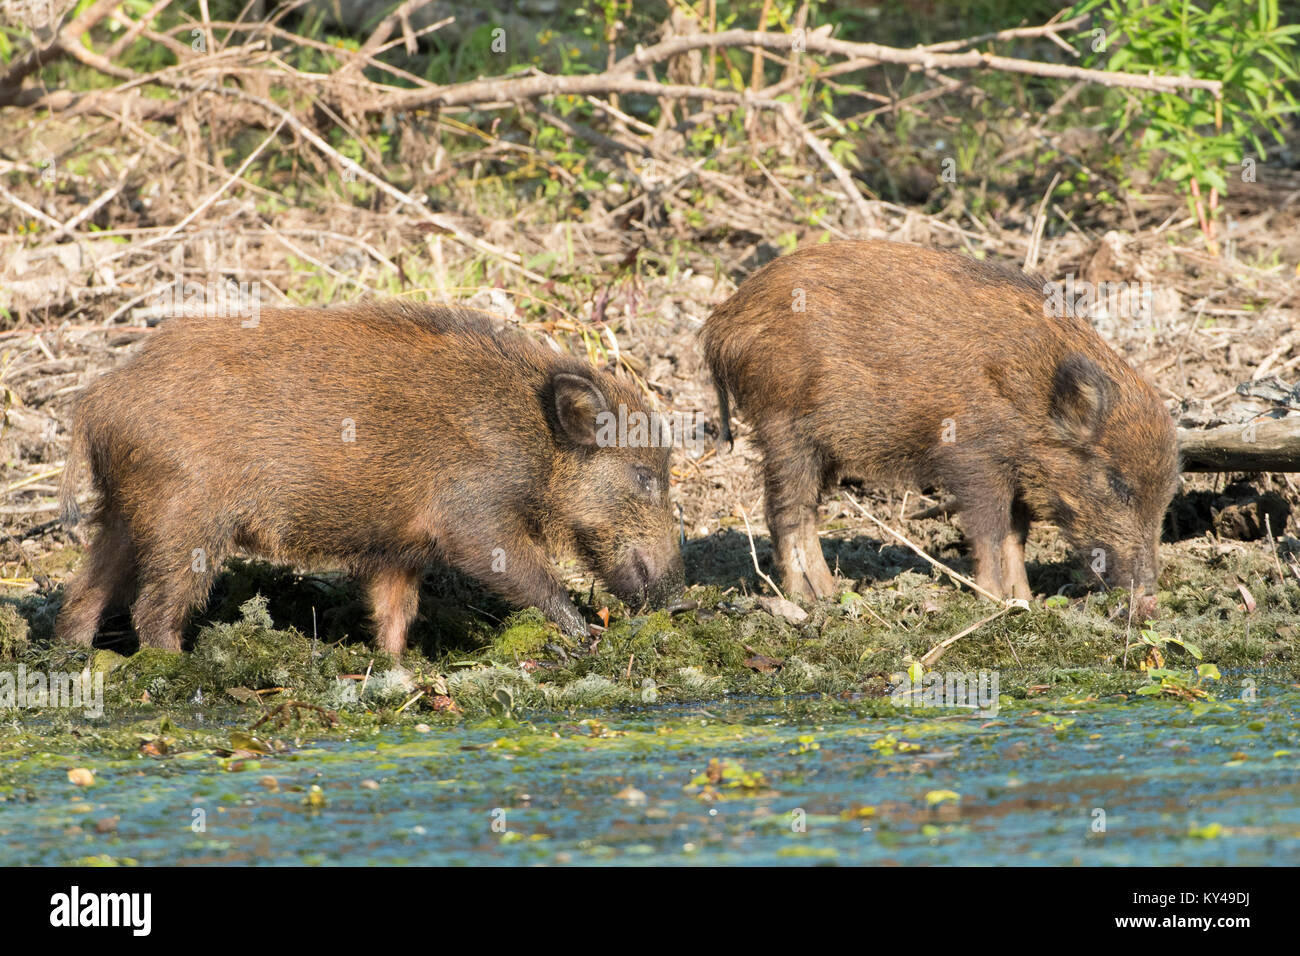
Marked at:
<point>648,576</point>
<point>1141,570</point>
<point>1122,567</point>
<point>645,574</point>
<point>1138,573</point>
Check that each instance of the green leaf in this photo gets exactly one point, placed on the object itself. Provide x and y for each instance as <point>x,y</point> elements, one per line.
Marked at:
<point>1190,648</point>
<point>1215,179</point>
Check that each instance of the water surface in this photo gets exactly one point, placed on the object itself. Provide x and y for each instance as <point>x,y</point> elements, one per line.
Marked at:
<point>743,782</point>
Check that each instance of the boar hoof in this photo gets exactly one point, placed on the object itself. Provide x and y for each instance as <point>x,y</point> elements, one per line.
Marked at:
<point>813,584</point>
<point>571,622</point>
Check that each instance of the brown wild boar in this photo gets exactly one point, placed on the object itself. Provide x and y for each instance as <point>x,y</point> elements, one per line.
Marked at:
<point>377,438</point>
<point>882,362</point>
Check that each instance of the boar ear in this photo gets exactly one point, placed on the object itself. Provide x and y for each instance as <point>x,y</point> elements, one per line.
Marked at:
<point>577,403</point>
<point>1081,398</point>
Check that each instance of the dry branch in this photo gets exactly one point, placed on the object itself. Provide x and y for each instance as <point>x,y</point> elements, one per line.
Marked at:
<point>823,153</point>
<point>1271,445</point>
<point>66,41</point>
<point>1050,30</point>
<point>924,57</point>
<point>218,82</point>
<point>931,657</point>
<point>621,77</point>
<point>510,259</point>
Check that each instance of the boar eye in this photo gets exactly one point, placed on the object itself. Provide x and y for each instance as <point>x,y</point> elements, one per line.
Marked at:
<point>1120,487</point>
<point>646,480</point>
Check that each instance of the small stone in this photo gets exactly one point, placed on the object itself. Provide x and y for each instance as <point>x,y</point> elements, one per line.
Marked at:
<point>81,777</point>
<point>780,607</point>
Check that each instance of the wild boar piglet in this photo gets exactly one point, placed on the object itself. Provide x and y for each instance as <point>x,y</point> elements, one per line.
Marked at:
<point>376,438</point>
<point>889,363</point>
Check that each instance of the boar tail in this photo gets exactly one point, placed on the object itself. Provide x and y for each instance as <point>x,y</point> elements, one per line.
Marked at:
<point>724,415</point>
<point>73,471</point>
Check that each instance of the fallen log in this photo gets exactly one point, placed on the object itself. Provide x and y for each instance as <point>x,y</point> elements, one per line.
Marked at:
<point>1266,445</point>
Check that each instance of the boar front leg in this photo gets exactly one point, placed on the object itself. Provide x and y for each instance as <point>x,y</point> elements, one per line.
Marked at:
<point>995,536</point>
<point>1015,583</point>
<point>394,597</point>
<point>792,486</point>
<point>514,566</point>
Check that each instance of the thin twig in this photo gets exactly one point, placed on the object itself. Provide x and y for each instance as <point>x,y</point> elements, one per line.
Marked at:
<point>753,553</point>
<point>1013,602</point>
<point>931,657</point>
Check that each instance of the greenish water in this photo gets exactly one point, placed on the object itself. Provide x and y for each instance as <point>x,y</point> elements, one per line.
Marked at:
<point>795,782</point>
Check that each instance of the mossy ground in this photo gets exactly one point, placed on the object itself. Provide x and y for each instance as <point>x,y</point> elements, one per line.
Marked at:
<point>270,636</point>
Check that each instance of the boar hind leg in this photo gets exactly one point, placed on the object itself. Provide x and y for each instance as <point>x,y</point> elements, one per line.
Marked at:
<point>105,579</point>
<point>793,484</point>
<point>799,559</point>
<point>394,597</point>
<point>173,581</point>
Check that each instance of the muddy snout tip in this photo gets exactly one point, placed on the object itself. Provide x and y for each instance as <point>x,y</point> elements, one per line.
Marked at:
<point>657,584</point>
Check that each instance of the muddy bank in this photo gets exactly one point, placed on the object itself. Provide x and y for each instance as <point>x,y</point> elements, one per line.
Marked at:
<point>271,637</point>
